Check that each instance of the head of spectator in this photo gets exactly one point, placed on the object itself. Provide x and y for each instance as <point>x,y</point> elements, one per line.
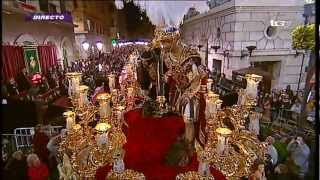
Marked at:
<point>37,170</point>
<point>288,88</point>
<point>18,155</point>
<point>270,140</point>
<point>33,160</point>
<point>39,128</point>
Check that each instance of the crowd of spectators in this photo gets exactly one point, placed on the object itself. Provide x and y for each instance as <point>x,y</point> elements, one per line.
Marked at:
<point>41,162</point>
<point>281,103</point>
<point>27,87</point>
<point>96,68</point>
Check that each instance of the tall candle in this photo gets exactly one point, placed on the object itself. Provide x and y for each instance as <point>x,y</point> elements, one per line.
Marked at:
<point>209,85</point>
<point>70,87</point>
<point>111,79</point>
<point>120,113</point>
<point>130,92</point>
<point>186,112</point>
<point>252,85</point>
<point>222,145</point>
<point>70,119</point>
<point>104,105</point>
<point>103,110</point>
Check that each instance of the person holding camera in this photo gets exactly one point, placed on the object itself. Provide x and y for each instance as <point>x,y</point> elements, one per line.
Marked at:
<point>299,152</point>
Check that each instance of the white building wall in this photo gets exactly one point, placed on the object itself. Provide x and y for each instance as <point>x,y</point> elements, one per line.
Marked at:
<point>244,23</point>
<point>15,26</point>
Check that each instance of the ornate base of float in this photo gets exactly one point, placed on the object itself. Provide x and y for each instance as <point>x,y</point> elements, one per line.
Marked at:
<point>193,175</point>
<point>128,174</point>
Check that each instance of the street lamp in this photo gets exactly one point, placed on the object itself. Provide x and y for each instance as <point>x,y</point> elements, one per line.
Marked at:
<point>250,49</point>
<point>85,45</point>
<point>215,47</point>
<point>99,45</point>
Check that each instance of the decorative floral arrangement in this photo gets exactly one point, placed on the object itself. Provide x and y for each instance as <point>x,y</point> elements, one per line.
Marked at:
<point>303,37</point>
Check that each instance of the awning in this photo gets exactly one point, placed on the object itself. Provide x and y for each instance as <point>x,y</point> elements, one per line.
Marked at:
<point>253,70</point>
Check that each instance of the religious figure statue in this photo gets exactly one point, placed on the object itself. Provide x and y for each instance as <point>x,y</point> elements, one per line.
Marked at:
<point>254,125</point>
<point>241,97</point>
<point>181,62</point>
<point>204,164</point>
<point>118,163</point>
<point>65,169</point>
<point>258,171</point>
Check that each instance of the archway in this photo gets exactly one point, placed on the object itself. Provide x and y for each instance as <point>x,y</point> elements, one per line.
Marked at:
<point>25,39</point>
<point>67,51</point>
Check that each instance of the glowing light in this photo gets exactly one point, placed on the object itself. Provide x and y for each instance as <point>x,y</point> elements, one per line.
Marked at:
<point>99,45</point>
<point>85,45</point>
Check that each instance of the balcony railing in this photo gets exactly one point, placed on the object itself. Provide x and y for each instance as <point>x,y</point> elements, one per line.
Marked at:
<point>19,6</point>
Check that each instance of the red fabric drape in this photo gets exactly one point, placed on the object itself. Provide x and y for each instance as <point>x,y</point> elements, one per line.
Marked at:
<point>12,61</point>
<point>47,57</point>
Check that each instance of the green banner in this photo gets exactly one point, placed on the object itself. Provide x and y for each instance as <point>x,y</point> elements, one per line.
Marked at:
<point>32,60</point>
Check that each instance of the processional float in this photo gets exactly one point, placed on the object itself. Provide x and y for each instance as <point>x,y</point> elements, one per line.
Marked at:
<point>229,147</point>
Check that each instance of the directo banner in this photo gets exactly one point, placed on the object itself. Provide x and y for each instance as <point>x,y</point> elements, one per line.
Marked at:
<point>49,17</point>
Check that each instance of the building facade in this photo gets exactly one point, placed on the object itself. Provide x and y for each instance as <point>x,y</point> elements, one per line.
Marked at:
<point>95,22</point>
<point>233,27</point>
<point>16,30</point>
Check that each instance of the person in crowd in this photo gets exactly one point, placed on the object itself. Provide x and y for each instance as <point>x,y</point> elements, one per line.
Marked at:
<point>296,109</point>
<point>37,170</point>
<point>16,167</point>
<point>13,88</point>
<point>53,145</point>
<point>267,106</point>
<point>4,89</point>
<point>289,92</point>
<point>285,102</point>
<point>286,170</point>
<point>52,79</point>
<point>23,80</point>
<point>44,85</point>
<point>275,106</point>
<point>39,142</point>
<point>299,152</point>
<point>271,150</point>
<point>230,98</point>
<point>100,89</point>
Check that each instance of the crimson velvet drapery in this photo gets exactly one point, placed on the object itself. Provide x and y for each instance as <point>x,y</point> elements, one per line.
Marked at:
<point>12,61</point>
<point>47,57</point>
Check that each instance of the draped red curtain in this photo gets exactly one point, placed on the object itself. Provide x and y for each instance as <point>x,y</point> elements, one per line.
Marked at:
<point>47,57</point>
<point>12,61</point>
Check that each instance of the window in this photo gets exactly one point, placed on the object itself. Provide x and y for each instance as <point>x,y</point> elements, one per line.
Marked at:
<point>44,5</point>
<point>218,33</point>
<point>52,8</point>
<point>271,32</point>
<point>63,6</point>
<point>27,43</point>
<point>88,26</point>
<point>75,4</point>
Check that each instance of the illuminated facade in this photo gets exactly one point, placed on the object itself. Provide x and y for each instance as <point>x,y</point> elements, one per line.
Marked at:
<point>95,22</point>
<point>232,26</point>
<point>18,30</point>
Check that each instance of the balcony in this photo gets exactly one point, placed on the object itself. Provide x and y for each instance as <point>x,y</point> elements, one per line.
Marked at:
<point>19,7</point>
